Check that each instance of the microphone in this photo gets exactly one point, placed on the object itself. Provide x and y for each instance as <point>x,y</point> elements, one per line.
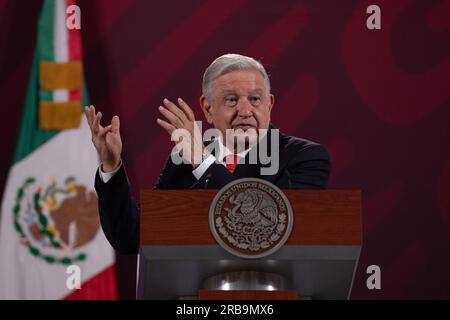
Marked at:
<point>208,177</point>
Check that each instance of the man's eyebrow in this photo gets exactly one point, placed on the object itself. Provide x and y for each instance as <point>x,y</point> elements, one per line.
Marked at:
<point>227,91</point>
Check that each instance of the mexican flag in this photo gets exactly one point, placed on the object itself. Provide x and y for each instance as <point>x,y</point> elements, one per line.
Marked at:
<point>51,242</point>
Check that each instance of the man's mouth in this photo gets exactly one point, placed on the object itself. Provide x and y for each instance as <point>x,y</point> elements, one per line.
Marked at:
<point>244,127</point>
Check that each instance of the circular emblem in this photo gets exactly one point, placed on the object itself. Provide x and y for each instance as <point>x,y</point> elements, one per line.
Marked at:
<point>56,221</point>
<point>250,218</point>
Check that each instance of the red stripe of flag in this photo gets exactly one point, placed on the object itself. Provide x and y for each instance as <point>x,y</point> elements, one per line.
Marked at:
<point>75,52</point>
<point>102,286</point>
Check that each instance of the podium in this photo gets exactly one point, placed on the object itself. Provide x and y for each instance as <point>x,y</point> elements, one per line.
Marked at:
<point>178,253</point>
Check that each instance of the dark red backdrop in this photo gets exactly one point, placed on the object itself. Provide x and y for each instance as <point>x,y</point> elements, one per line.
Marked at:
<point>379,100</point>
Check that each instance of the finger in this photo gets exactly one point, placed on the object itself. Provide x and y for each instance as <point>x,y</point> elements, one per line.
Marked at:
<point>91,118</point>
<point>173,119</point>
<point>88,115</point>
<point>166,126</point>
<point>92,114</point>
<point>187,110</point>
<point>96,124</point>
<point>175,110</point>
<point>105,130</point>
<point>115,122</point>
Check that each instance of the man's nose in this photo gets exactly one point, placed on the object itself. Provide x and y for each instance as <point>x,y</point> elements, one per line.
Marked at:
<point>245,108</point>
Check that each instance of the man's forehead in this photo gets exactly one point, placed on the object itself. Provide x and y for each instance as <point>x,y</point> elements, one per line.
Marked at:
<point>240,80</point>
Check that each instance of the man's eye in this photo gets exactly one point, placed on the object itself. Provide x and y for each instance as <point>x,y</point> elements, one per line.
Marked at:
<point>255,100</point>
<point>230,101</point>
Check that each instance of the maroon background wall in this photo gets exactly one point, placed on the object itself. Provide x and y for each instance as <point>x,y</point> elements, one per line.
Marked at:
<point>379,100</point>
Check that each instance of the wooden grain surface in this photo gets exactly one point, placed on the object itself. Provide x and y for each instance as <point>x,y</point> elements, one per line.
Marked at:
<point>181,217</point>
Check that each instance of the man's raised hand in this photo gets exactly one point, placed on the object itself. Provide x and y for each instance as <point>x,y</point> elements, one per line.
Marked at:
<point>180,124</point>
<point>106,140</point>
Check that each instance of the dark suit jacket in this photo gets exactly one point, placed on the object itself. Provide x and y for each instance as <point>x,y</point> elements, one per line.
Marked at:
<point>302,165</point>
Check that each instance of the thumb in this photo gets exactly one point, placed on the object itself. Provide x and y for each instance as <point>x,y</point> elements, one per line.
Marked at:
<point>115,122</point>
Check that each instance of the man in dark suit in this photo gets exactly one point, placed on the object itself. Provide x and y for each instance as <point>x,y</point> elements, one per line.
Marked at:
<point>236,98</point>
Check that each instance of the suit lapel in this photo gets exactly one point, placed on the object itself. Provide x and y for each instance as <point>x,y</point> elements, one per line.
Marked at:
<point>246,169</point>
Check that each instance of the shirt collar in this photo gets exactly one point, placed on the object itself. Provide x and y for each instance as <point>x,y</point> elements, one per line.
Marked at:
<point>224,151</point>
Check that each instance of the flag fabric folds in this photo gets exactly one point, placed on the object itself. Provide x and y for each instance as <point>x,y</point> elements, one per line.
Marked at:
<point>50,234</point>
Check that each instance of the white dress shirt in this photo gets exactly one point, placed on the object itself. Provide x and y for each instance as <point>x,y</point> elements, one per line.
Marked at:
<point>223,152</point>
<point>105,176</point>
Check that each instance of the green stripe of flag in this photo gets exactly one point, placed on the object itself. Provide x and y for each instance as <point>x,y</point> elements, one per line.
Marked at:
<point>46,31</point>
<point>46,95</point>
<point>30,136</point>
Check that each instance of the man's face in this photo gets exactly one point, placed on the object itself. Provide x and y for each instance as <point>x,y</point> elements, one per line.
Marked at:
<point>240,100</point>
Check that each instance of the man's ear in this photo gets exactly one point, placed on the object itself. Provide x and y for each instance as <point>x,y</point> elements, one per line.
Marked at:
<point>206,108</point>
<point>272,102</point>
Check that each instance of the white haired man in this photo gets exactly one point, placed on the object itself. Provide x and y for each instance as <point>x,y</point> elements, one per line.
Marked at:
<point>237,102</point>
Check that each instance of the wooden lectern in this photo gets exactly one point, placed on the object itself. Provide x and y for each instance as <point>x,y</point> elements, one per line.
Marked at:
<point>178,251</point>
